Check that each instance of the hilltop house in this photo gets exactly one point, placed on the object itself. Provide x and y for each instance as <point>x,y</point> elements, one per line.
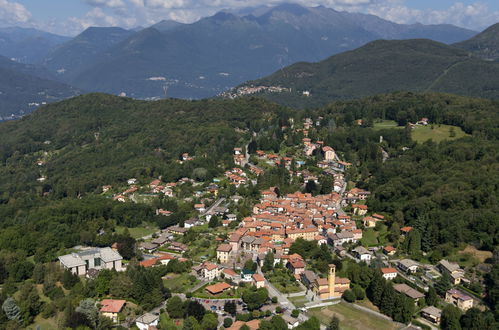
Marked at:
<point>459,299</point>
<point>362,254</point>
<point>452,269</point>
<point>98,258</point>
<point>110,308</point>
<point>408,265</point>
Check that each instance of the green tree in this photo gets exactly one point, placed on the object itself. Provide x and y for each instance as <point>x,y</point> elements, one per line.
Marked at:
<point>375,289</point>
<point>431,296</point>
<point>268,262</point>
<point>227,322</point>
<point>209,322</point>
<point>443,284</point>
<point>88,308</point>
<point>387,303</point>
<point>255,298</point>
<point>175,307</point>
<point>230,307</point>
<point>349,296</point>
<point>214,222</point>
<point>191,323</point>
<point>250,265</point>
<point>359,293</point>
<point>475,319</point>
<point>69,279</point>
<point>450,318</point>
<point>195,309</point>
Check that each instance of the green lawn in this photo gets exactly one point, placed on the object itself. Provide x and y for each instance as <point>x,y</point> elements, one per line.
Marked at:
<point>283,281</point>
<point>369,237</point>
<point>179,283</point>
<point>383,124</point>
<point>351,318</point>
<point>138,232</point>
<point>437,133</point>
<point>299,301</point>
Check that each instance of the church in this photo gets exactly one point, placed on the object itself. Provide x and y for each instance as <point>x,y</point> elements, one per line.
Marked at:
<point>332,286</point>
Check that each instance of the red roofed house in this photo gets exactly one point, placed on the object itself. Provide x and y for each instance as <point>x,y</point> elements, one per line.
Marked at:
<point>405,230</point>
<point>295,263</point>
<point>218,288</point>
<point>111,307</point>
<point>389,250</point>
<point>207,270</point>
<point>389,273</point>
<point>359,209</point>
<point>258,280</point>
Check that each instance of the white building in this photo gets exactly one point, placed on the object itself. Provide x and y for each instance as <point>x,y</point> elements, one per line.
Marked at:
<point>389,273</point>
<point>362,254</point>
<point>147,320</point>
<point>98,258</point>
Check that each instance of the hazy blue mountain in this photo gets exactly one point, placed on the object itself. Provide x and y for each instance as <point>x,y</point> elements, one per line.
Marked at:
<point>22,88</point>
<point>484,45</point>
<point>166,25</point>
<point>83,51</point>
<point>216,53</point>
<point>27,45</point>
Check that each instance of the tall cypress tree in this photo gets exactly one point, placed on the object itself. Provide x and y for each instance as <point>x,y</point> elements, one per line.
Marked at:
<point>387,304</point>
<point>375,289</point>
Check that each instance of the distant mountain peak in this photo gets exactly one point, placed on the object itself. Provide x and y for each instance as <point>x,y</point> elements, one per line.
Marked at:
<point>291,8</point>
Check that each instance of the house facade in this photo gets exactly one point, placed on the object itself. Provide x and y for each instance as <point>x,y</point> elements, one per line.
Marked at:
<point>95,258</point>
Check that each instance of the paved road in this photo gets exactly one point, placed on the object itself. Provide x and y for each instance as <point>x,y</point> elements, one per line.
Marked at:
<point>216,204</point>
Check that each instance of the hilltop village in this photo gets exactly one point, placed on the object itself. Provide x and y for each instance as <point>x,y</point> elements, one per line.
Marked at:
<point>245,257</point>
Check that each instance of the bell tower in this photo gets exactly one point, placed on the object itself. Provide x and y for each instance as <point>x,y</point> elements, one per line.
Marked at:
<point>331,279</point>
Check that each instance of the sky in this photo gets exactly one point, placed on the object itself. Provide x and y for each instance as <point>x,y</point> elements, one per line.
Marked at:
<point>70,17</point>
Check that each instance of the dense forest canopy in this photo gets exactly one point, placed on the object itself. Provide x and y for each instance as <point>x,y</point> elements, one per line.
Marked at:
<point>447,190</point>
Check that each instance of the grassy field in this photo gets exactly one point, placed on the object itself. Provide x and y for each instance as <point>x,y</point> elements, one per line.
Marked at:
<point>480,255</point>
<point>179,283</point>
<point>351,318</point>
<point>437,133</point>
<point>283,281</point>
<point>369,237</point>
<point>383,124</point>
<point>299,301</point>
<point>138,232</point>
<point>43,324</point>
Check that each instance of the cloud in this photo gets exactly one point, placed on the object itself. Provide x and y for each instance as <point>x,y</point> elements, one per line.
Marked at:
<point>106,3</point>
<point>473,16</point>
<point>13,13</point>
<point>132,13</point>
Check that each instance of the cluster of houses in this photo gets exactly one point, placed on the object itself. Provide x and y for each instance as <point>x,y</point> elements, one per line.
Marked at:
<point>277,222</point>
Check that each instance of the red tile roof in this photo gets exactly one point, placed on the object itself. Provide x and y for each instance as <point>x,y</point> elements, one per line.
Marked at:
<point>112,305</point>
<point>258,278</point>
<point>218,288</point>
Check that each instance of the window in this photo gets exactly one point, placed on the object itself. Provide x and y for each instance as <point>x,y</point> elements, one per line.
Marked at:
<point>97,262</point>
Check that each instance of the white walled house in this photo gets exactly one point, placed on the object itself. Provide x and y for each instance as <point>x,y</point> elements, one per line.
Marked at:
<point>97,258</point>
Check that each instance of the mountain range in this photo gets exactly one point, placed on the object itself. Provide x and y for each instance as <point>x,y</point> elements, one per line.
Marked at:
<point>210,56</point>
<point>28,45</point>
<point>382,66</point>
<point>218,52</point>
<point>484,45</point>
<point>24,87</point>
